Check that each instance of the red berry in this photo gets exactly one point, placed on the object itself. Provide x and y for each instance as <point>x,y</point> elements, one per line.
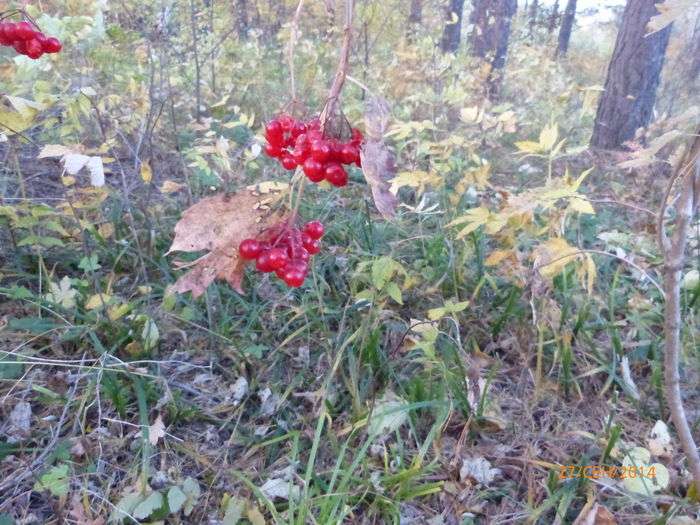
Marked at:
<point>52,45</point>
<point>264,263</point>
<point>24,31</point>
<point>348,153</point>
<point>274,133</point>
<point>288,162</point>
<point>250,249</point>
<point>320,150</point>
<point>314,229</point>
<point>34,49</point>
<point>273,151</point>
<point>299,128</point>
<point>313,246</point>
<point>336,175</point>
<point>314,170</point>
<point>278,258</point>
<point>300,155</point>
<point>294,278</point>
<point>357,137</point>
<point>9,33</point>
<point>20,46</point>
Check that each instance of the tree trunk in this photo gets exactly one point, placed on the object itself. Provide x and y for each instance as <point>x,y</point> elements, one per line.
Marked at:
<point>242,18</point>
<point>553,18</point>
<point>534,7</point>
<point>416,14</point>
<point>489,39</point>
<point>453,29</point>
<point>567,25</point>
<point>633,76</point>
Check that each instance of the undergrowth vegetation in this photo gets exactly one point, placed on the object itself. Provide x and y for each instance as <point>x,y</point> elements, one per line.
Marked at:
<point>453,364</point>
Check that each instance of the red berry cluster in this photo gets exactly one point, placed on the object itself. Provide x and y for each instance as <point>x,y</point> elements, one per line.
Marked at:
<point>26,40</point>
<point>296,143</point>
<point>286,252</point>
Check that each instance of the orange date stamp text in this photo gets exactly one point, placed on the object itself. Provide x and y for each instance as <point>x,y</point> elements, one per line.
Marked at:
<point>606,471</point>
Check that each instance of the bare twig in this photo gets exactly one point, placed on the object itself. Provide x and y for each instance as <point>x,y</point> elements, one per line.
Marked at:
<point>688,173</point>
<point>343,63</point>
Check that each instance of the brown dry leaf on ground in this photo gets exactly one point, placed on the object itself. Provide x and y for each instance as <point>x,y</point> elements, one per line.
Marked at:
<point>218,224</point>
<point>378,162</point>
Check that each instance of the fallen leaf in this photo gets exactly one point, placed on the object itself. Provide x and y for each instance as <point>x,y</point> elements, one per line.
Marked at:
<point>218,224</point>
<point>20,422</point>
<point>378,162</point>
<point>478,469</point>
<point>146,172</point>
<point>279,488</point>
<point>156,431</point>
<point>170,186</point>
<point>388,416</point>
<point>594,514</point>
<point>659,443</point>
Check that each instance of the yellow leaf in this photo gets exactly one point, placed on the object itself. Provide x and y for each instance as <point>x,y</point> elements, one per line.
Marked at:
<point>527,146</point>
<point>117,311</point>
<point>170,186</point>
<point>581,205</point>
<point>68,180</point>
<point>106,230</point>
<point>497,256</point>
<point>548,137</point>
<point>146,172</point>
<point>552,256</point>
<point>415,179</point>
<point>97,301</point>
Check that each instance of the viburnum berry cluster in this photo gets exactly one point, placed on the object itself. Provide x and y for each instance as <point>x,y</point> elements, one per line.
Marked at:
<point>286,251</point>
<point>27,39</point>
<point>297,143</point>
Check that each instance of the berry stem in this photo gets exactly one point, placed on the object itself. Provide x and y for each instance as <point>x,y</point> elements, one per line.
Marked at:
<point>343,63</point>
<point>300,194</point>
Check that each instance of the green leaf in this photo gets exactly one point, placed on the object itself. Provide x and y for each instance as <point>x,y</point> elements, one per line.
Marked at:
<point>8,368</point>
<point>450,308</point>
<point>125,506</point>
<point>393,290</point>
<point>150,334</point>
<point>148,506</point>
<point>382,270</point>
<point>34,325</point>
<point>47,242</point>
<point>234,511</point>
<point>55,481</point>
<point>89,264</point>
<point>255,350</point>
<point>389,414</point>
<point>176,499</point>
<point>191,488</point>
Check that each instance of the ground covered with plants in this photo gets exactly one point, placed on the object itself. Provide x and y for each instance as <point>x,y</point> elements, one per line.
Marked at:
<point>467,321</point>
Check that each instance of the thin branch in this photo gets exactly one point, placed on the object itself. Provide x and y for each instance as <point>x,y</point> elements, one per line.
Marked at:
<point>688,173</point>
<point>343,63</point>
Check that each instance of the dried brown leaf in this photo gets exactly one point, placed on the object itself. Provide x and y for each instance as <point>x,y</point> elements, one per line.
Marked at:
<point>218,224</point>
<point>379,167</point>
<point>378,162</point>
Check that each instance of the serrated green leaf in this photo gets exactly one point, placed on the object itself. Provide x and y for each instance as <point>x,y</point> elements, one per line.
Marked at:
<point>176,499</point>
<point>56,481</point>
<point>125,506</point>
<point>393,290</point>
<point>148,506</point>
<point>234,511</point>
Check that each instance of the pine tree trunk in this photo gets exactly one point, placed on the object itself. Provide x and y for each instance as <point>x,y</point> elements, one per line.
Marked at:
<point>416,14</point>
<point>534,7</point>
<point>242,18</point>
<point>489,39</point>
<point>553,18</point>
<point>633,77</point>
<point>567,25</point>
<point>453,30</point>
